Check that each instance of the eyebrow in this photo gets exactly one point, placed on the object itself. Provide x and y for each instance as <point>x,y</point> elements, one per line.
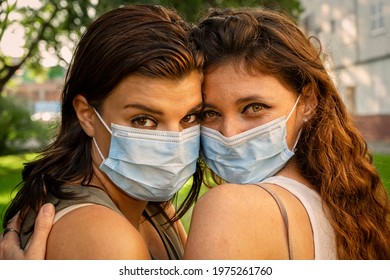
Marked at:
<point>143,108</point>
<point>156,112</point>
<point>239,101</point>
<point>248,99</point>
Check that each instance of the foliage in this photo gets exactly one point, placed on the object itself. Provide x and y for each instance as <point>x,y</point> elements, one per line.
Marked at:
<point>192,10</point>
<point>54,26</point>
<point>49,27</point>
<point>18,130</point>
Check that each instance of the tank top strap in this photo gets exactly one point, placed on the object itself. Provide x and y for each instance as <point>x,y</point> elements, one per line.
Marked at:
<point>284,214</point>
<point>168,234</point>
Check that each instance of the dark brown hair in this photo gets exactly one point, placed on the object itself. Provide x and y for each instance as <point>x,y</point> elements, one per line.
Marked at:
<point>150,41</point>
<point>331,152</point>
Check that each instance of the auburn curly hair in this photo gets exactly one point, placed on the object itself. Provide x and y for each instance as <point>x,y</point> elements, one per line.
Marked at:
<point>331,152</point>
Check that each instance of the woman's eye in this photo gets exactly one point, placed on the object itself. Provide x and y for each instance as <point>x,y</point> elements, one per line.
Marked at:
<point>190,119</point>
<point>256,108</point>
<point>209,114</point>
<point>253,108</point>
<point>143,122</point>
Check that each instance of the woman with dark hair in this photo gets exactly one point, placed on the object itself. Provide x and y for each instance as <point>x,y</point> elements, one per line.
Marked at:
<point>128,141</point>
<point>302,182</point>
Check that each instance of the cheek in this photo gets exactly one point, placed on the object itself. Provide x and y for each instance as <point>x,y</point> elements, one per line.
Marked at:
<point>103,139</point>
<point>106,144</point>
<point>234,125</point>
<point>247,124</point>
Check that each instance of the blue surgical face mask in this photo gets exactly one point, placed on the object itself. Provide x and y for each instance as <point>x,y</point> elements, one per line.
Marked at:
<point>248,157</point>
<point>150,165</point>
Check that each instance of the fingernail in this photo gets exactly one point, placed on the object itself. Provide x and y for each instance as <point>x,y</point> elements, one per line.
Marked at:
<point>48,209</point>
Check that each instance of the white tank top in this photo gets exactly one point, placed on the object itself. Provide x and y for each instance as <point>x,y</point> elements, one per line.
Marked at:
<point>323,233</point>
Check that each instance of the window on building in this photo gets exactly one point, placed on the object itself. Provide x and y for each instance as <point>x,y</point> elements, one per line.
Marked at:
<point>349,32</point>
<point>377,18</point>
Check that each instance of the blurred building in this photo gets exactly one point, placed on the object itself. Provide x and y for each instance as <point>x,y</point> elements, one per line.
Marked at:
<point>42,98</point>
<point>355,36</point>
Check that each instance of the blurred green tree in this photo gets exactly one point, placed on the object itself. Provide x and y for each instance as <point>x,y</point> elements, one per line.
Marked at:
<point>17,128</point>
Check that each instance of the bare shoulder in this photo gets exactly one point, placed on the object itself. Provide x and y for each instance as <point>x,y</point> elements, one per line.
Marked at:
<point>95,232</point>
<point>230,220</point>
<point>235,221</point>
<point>232,198</point>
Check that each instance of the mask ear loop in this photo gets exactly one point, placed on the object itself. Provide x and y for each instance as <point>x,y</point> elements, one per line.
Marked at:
<point>97,147</point>
<point>289,115</point>
<point>103,122</point>
<point>296,141</point>
<point>93,138</point>
<point>293,108</point>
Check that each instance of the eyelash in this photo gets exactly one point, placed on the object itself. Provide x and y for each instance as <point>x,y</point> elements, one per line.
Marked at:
<point>134,121</point>
<point>262,106</point>
<point>206,113</point>
<point>196,115</point>
<point>144,119</point>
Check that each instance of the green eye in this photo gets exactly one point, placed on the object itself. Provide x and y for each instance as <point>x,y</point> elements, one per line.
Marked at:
<point>257,108</point>
<point>253,108</point>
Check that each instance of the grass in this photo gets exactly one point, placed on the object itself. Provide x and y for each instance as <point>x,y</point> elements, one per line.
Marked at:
<point>382,163</point>
<point>10,177</point>
<point>11,166</point>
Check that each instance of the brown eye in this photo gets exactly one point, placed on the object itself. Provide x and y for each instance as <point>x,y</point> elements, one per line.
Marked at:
<point>143,122</point>
<point>190,119</point>
<point>209,114</point>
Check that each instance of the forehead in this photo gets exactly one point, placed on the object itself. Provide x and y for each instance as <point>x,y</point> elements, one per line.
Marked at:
<point>156,92</point>
<point>228,80</point>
